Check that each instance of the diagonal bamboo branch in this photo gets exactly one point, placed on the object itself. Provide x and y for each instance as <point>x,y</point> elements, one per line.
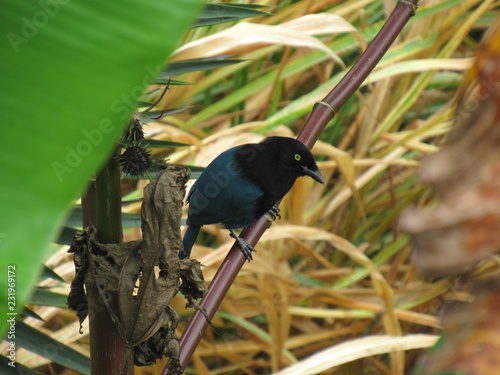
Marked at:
<point>323,111</point>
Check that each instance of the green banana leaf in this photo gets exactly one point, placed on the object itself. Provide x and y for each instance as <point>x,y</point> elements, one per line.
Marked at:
<point>70,76</point>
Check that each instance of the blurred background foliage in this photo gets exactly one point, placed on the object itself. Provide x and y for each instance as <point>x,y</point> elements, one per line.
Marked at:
<point>335,267</point>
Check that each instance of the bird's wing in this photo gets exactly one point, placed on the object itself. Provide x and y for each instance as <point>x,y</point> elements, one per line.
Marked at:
<point>223,195</point>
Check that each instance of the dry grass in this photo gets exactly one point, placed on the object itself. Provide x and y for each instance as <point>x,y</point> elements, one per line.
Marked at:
<point>335,269</point>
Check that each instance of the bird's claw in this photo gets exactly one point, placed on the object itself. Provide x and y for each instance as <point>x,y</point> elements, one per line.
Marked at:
<point>274,213</point>
<point>244,246</point>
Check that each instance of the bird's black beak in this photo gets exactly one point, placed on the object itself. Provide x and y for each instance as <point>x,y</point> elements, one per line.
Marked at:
<point>314,174</point>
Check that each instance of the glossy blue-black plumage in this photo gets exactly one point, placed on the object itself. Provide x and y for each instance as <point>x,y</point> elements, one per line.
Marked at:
<point>244,182</point>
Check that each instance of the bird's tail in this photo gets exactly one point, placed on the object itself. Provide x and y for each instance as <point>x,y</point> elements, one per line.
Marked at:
<point>189,240</point>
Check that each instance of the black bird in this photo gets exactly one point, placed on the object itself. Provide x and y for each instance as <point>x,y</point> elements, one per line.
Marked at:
<point>244,183</point>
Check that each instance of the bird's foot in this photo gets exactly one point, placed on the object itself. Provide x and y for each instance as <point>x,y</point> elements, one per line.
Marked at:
<point>244,246</point>
<point>273,213</point>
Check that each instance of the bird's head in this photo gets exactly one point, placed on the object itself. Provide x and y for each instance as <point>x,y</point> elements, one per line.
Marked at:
<point>294,157</point>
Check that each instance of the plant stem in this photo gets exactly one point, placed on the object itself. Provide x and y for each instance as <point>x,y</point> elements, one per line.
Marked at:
<point>321,114</point>
<point>101,207</point>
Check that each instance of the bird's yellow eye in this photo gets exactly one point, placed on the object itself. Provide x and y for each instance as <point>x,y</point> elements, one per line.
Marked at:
<point>297,157</point>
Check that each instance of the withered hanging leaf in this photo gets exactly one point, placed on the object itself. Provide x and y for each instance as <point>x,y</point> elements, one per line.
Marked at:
<point>145,274</point>
<point>77,298</point>
<point>151,278</point>
<point>106,260</point>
